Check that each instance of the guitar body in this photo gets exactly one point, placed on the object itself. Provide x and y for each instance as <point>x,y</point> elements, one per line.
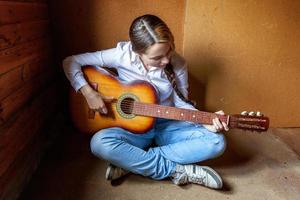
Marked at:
<point>88,121</point>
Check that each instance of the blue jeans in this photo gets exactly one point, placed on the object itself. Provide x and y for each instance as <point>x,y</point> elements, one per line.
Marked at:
<point>178,142</point>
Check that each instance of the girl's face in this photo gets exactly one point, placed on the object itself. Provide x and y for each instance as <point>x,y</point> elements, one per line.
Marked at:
<point>157,55</point>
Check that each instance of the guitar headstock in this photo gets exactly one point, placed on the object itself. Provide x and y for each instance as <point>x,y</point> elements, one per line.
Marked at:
<point>249,121</point>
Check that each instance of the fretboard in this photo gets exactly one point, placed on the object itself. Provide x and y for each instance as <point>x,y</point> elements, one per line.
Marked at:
<point>167,112</point>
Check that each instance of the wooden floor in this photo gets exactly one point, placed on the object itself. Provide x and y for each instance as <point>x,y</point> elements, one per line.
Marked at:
<point>254,166</point>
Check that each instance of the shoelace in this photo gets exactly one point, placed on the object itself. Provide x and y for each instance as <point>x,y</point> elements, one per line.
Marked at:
<point>183,179</point>
<point>196,179</point>
<point>180,178</point>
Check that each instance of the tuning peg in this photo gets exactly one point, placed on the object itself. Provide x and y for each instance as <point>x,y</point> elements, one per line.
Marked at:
<point>259,114</point>
<point>244,113</point>
<point>251,113</point>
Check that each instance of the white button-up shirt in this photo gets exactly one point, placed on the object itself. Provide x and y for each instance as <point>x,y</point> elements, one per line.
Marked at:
<point>130,68</point>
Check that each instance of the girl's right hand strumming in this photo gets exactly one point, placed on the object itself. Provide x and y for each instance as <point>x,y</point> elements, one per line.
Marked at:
<point>94,99</point>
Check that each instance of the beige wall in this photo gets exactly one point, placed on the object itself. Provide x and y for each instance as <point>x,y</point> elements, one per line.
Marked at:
<point>89,25</point>
<point>244,55</point>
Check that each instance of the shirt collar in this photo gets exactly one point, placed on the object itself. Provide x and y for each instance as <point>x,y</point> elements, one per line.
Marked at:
<point>133,55</point>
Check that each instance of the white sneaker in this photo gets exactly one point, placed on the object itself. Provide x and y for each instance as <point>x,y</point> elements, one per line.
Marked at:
<point>201,175</point>
<point>113,172</point>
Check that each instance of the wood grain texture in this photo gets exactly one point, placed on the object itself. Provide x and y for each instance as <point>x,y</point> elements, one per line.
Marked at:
<point>16,78</point>
<point>22,143</point>
<point>29,1</point>
<point>23,53</point>
<point>27,97</point>
<point>15,12</point>
<point>19,98</point>
<point>10,82</point>
<point>14,34</point>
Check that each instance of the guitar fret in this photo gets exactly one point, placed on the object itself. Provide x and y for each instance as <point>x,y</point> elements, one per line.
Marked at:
<point>168,112</point>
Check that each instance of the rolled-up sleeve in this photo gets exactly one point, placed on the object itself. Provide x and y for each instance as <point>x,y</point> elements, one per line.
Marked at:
<point>72,67</point>
<point>72,64</point>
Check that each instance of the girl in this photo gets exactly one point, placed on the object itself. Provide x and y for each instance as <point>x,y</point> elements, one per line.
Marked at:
<point>147,56</point>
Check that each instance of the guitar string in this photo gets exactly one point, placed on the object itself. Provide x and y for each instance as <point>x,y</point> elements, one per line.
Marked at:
<point>127,105</point>
<point>108,86</point>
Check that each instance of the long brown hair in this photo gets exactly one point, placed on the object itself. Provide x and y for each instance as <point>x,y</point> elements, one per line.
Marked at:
<point>147,30</point>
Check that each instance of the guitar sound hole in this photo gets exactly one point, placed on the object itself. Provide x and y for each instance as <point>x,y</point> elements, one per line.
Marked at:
<point>127,105</point>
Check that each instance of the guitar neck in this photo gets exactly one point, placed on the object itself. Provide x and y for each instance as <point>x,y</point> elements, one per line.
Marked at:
<point>167,112</point>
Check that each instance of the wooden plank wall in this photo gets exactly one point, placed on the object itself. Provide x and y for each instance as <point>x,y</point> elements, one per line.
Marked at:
<point>28,94</point>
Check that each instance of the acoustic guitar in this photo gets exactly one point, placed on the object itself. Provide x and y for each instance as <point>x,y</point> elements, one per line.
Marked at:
<point>134,108</point>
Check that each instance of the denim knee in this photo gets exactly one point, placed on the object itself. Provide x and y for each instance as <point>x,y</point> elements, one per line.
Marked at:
<point>100,144</point>
<point>218,145</point>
